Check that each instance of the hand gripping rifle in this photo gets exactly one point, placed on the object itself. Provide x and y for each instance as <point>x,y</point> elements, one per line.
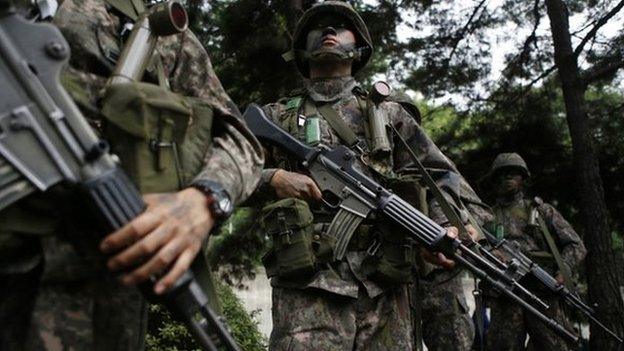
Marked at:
<point>45,141</point>
<point>353,193</point>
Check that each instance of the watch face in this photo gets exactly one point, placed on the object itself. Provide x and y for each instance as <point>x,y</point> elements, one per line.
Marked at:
<point>225,205</point>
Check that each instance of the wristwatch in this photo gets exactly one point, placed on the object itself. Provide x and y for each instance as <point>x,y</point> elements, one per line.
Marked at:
<point>219,201</point>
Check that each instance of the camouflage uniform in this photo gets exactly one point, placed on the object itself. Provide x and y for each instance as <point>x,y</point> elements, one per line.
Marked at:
<point>340,307</point>
<point>446,323</point>
<point>55,293</point>
<point>509,323</point>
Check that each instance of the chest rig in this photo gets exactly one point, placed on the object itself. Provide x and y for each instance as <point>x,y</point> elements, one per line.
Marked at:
<point>304,246</point>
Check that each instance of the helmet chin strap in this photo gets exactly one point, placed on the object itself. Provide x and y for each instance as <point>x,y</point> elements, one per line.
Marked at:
<point>334,54</point>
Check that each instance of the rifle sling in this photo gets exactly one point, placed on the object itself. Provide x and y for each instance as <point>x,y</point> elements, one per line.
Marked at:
<point>337,124</point>
<point>550,241</point>
<point>448,211</point>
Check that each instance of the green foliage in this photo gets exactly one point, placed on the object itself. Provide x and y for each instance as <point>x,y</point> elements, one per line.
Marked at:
<point>238,248</point>
<point>243,325</point>
<point>166,334</point>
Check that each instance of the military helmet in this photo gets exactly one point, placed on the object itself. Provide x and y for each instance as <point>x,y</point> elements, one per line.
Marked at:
<point>363,39</point>
<point>509,160</point>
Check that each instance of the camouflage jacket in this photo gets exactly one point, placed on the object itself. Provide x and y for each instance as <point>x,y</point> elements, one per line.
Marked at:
<point>91,28</point>
<point>513,217</point>
<point>342,94</point>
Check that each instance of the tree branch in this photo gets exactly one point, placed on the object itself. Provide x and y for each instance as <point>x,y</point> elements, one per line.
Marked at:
<point>603,69</point>
<point>462,32</point>
<point>601,22</point>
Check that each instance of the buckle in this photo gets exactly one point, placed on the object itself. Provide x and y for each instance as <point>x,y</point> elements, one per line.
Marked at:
<point>373,248</point>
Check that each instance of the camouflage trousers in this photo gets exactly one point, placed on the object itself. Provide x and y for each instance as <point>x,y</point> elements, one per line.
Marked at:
<point>97,314</point>
<point>446,322</point>
<point>510,324</point>
<point>313,319</point>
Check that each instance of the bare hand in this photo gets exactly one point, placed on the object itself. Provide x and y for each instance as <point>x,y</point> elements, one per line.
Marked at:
<point>472,233</point>
<point>290,184</point>
<point>438,258</point>
<point>559,278</point>
<point>163,241</point>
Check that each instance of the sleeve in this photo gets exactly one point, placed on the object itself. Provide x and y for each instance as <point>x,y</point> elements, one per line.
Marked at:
<point>235,159</point>
<point>568,241</point>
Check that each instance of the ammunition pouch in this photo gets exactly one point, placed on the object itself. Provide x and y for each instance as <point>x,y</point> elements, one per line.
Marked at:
<point>146,126</point>
<point>298,245</point>
<point>390,258</point>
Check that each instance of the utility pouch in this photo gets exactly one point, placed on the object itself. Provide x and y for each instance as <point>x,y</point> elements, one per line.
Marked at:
<point>289,223</point>
<point>146,125</point>
<point>390,258</point>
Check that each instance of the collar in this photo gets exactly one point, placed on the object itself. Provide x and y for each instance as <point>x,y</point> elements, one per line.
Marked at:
<point>330,89</point>
<point>516,200</point>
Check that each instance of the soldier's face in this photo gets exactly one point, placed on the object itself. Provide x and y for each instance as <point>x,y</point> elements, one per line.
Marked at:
<point>329,32</point>
<point>509,181</point>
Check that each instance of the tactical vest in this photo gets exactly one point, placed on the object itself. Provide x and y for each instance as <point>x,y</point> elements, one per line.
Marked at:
<point>301,244</point>
<point>548,258</point>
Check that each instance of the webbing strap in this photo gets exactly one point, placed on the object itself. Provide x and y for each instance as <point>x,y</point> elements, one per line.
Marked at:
<point>554,250</point>
<point>130,8</point>
<point>448,211</point>
<point>338,125</point>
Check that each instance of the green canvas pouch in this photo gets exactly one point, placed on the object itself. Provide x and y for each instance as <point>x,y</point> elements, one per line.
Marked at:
<point>391,258</point>
<point>289,223</point>
<point>146,125</point>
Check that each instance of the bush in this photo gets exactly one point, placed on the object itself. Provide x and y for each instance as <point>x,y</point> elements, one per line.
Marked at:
<point>166,334</point>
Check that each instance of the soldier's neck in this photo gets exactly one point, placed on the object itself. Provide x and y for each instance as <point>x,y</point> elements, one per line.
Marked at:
<point>510,199</point>
<point>330,69</point>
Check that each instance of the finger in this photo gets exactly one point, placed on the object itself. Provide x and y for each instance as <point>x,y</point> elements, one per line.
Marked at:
<point>182,265</point>
<point>142,248</point>
<point>452,232</point>
<point>445,262</point>
<point>130,233</point>
<point>315,191</point>
<point>157,264</point>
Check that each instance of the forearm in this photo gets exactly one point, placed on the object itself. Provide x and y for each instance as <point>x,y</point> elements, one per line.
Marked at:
<point>235,159</point>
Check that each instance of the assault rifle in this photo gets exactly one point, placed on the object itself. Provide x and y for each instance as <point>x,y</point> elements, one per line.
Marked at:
<point>46,142</point>
<point>355,196</point>
<point>519,265</point>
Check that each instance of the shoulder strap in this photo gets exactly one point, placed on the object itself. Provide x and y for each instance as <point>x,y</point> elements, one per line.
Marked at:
<point>550,241</point>
<point>337,124</point>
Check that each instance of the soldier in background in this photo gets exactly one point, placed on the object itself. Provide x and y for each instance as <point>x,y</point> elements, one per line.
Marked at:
<point>543,235</point>
<point>359,301</point>
<point>55,292</point>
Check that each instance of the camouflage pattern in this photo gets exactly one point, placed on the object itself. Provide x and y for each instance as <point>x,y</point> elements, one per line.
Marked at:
<point>330,304</point>
<point>446,322</point>
<point>509,323</point>
<point>512,160</point>
<point>78,306</point>
<point>513,216</point>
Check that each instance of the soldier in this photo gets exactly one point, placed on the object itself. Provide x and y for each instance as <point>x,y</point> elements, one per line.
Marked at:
<point>547,238</point>
<point>56,293</point>
<point>359,301</point>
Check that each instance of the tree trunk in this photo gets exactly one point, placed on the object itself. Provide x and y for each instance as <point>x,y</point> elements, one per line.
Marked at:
<point>604,277</point>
